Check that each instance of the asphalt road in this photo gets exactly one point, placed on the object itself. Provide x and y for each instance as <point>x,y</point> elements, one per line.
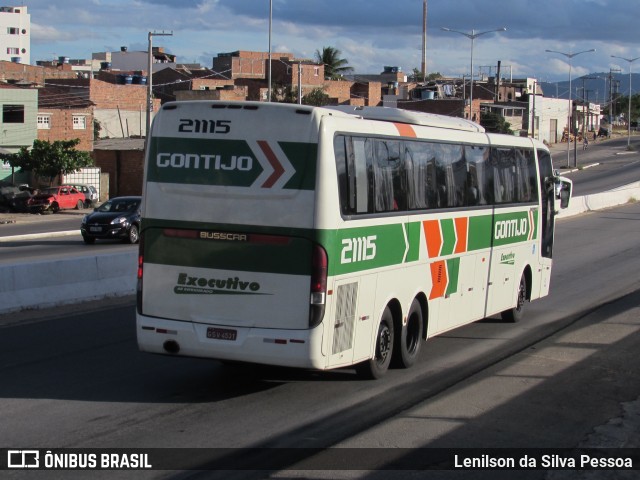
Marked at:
<point>27,237</point>
<point>73,377</point>
<point>614,164</point>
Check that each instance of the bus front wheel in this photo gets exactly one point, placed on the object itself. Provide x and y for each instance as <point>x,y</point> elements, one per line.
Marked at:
<point>516,313</point>
<point>377,366</point>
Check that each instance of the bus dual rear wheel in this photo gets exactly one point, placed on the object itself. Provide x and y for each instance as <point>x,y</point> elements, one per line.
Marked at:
<point>408,343</point>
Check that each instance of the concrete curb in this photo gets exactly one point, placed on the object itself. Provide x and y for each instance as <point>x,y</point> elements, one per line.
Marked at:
<point>600,201</point>
<point>33,236</point>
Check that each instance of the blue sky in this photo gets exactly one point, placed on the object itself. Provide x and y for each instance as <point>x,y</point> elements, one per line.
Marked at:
<point>369,33</point>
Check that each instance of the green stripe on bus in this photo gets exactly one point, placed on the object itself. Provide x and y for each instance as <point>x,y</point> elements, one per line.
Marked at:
<point>202,162</point>
<point>234,163</point>
<point>349,250</point>
<point>303,157</point>
<point>414,230</point>
<point>479,236</point>
<point>513,227</point>
<point>291,255</point>
<point>453,272</point>
<point>367,248</point>
<point>448,236</point>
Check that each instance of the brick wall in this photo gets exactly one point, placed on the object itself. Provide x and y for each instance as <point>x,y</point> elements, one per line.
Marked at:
<point>10,71</point>
<point>366,94</point>
<point>286,73</point>
<point>125,169</point>
<point>126,97</point>
<point>338,90</point>
<point>61,126</point>
<point>238,93</point>
<point>245,64</point>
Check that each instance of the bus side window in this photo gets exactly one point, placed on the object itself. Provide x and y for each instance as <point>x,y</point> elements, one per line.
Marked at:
<point>353,174</point>
<point>476,157</point>
<point>360,171</point>
<point>388,181</point>
<point>420,170</point>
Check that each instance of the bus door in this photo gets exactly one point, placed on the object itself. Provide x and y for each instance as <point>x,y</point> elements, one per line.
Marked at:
<point>547,218</point>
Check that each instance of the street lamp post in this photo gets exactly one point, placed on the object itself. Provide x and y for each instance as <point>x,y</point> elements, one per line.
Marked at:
<point>570,56</point>
<point>269,59</point>
<point>150,79</point>
<point>630,60</point>
<point>472,36</point>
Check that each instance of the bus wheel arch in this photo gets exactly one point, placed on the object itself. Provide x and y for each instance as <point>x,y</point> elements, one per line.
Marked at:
<point>523,295</point>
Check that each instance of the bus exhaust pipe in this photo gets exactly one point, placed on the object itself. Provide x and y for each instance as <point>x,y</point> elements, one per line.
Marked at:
<point>171,346</point>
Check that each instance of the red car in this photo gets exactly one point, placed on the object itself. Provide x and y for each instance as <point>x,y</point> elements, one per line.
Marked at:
<point>53,199</point>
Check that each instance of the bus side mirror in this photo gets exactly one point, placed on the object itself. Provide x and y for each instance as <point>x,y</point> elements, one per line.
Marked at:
<point>563,187</point>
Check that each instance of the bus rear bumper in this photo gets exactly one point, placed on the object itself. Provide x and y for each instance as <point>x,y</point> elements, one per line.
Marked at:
<point>288,348</point>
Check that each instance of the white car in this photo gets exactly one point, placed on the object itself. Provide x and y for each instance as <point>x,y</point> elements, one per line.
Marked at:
<point>90,193</point>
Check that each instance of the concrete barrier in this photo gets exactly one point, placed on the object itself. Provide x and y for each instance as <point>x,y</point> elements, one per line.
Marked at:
<point>49,283</point>
<point>598,201</point>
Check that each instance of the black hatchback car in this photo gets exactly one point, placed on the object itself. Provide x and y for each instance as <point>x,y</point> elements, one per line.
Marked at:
<point>116,218</point>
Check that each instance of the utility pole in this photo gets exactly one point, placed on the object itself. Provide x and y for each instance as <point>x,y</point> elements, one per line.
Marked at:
<point>150,79</point>
<point>300,82</point>
<point>630,61</point>
<point>533,113</point>
<point>424,40</point>
<point>472,36</point>
<point>270,23</point>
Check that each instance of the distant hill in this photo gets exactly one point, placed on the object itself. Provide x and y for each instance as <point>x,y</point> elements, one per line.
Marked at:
<point>594,85</point>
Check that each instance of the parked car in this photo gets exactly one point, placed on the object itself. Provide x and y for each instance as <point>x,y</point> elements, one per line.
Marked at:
<point>90,194</point>
<point>14,198</point>
<point>118,217</point>
<point>53,199</point>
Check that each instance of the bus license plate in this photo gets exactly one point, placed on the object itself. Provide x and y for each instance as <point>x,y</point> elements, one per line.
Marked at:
<point>222,333</point>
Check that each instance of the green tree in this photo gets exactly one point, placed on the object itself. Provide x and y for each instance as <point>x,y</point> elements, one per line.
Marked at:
<point>416,76</point>
<point>334,66</point>
<point>495,123</point>
<point>50,159</point>
<point>621,107</point>
<point>316,97</point>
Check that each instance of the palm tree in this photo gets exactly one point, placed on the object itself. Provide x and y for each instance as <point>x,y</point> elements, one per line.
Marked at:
<point>334,66</point>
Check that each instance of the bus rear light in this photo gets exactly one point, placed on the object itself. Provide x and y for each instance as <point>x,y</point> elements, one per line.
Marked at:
<point>319,266</point>
<point>319,263</point>
<point>140,274</point>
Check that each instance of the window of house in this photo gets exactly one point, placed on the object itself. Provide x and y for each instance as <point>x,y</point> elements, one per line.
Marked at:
<point>12,51</point>
<point>13,31</point>
<point>44,122</point>
<point>13,114</point>
<point>316,71</point>
<point>79,122</point>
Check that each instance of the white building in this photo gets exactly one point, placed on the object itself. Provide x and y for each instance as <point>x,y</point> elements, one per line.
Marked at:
<point>550,118</point>
<point>15,35</point>
<point>127,61</point>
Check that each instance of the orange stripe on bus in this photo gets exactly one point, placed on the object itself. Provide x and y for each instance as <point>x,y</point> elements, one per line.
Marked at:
<point>405,130</point>
<point>433,237</point>
<point>462,226</point>
<point>438,279</point>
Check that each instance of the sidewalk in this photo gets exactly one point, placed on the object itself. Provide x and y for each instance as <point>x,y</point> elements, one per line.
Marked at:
<point>577,389</point>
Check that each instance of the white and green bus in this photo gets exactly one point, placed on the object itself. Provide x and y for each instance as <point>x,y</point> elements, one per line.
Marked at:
<point>323,238</point>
